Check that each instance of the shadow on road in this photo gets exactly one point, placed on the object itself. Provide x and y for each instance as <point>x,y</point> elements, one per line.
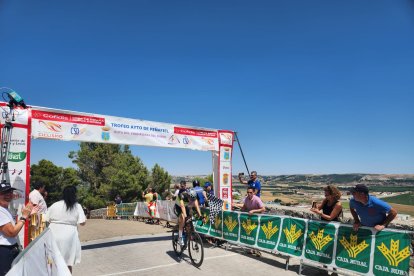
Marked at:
<point>123,242</point>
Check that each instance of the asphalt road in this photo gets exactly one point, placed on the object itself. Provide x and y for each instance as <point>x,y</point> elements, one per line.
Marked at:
<point>154,255</point>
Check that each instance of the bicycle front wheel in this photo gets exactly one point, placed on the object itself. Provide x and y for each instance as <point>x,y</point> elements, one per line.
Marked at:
<point>196,249</point>
<point>178,249</point>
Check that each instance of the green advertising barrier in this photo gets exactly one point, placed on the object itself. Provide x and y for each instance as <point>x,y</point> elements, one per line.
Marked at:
<point>269,230</point>
<point>292,237</point>
<point>230,226</point>
<point>199,226</point>
<point>125,209</point>
<point>216,229</point>
<point>320,241</point>
<point>353,251</point>
<point>248,228</point>
<point>392,253</point>
<point>333,244</point>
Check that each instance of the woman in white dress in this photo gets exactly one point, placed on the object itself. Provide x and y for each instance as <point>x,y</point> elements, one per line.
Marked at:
<point>64,217</point>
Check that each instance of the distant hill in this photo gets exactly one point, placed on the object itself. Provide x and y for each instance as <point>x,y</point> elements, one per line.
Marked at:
<point>352,178</point>
<point>342,179</point>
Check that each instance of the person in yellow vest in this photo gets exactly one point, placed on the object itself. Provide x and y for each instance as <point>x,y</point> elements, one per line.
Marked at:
<point>148,195</point>
<point>150,198</point>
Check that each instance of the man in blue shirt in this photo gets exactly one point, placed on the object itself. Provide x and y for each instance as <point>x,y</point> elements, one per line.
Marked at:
<point>368,210</point>
<point>252,183</point>
<point>200,193</point>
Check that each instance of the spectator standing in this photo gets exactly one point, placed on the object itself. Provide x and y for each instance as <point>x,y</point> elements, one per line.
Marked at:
<point>36,197</point>
<point>45,195</point>
<point>200,193</point>
<point>118,199</point>
<point>208,188</point>
<point>253,182</point>
<point>176,190</point>
<point>148,195</point>
<point>9,229</point>
<point>180,188</point>
<point>150,199</point>
<point>64,217</point>
<point>368,210</point>
<point>331,208</point>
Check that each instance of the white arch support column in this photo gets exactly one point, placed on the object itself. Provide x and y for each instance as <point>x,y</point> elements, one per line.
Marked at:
<point>222,168</point>
<point>19,162</point>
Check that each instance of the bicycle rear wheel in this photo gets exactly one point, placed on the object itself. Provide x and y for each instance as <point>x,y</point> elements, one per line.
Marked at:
<point>178,249</point>
<point>196,249</point>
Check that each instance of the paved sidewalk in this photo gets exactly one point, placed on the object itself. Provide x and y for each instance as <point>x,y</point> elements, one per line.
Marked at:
<point>96,229</point>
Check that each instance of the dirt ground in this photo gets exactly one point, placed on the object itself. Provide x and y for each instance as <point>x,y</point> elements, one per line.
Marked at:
<point>268,196</point>
<point>96,229</point>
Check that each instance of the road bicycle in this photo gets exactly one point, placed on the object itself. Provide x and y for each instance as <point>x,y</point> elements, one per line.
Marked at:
<point>192,241</point>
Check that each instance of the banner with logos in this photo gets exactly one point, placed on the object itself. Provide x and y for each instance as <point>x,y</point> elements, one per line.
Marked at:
<point>18,160</point>
<point>364,252</point>
<point>320,241</point>
<point>41,257</point>
<point>224,167</point>
<point>391,254</point>
<point>74,126</point>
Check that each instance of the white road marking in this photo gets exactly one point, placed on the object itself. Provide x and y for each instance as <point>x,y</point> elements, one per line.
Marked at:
<point>161,266</point>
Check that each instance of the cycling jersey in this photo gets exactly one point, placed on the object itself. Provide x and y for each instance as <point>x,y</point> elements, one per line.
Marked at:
<point>183,195</point>
<point>200,195</point>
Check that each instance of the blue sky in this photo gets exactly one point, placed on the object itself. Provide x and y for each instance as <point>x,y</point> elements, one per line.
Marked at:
<point>310,86</point>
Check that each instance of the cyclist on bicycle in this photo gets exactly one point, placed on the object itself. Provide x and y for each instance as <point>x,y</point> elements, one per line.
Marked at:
<point>186,199</point>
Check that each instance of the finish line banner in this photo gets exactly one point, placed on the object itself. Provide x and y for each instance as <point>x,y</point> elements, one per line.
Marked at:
<point>365,252</point>
<point>74,126</point>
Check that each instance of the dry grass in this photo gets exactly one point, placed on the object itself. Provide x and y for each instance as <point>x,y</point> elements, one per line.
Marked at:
<point>268,196</point>
<point>403,209</point>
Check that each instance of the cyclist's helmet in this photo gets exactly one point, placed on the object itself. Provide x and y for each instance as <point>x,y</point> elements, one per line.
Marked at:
<point>196,183</point>
<point>193,194</point>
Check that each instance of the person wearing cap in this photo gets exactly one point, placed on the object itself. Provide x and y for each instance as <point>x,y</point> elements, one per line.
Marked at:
<point>9,229</point>
<point>208,190</point>
<point>368,210</point>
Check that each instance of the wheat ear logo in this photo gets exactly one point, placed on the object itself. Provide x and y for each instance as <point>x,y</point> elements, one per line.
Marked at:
<point>206,218</point>
<point>268,230</point>
<point>230,223</point>
<point>392,254</point>
<point>217,222</point>
<point>292,235</point>
<point>248,226</point>
<point>320,241</point>
<point>352,246</point>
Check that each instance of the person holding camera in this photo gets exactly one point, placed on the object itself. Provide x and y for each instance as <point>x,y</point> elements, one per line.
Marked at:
<point>9,229</point>
<point>253,182</point>
<point>331,208</point>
